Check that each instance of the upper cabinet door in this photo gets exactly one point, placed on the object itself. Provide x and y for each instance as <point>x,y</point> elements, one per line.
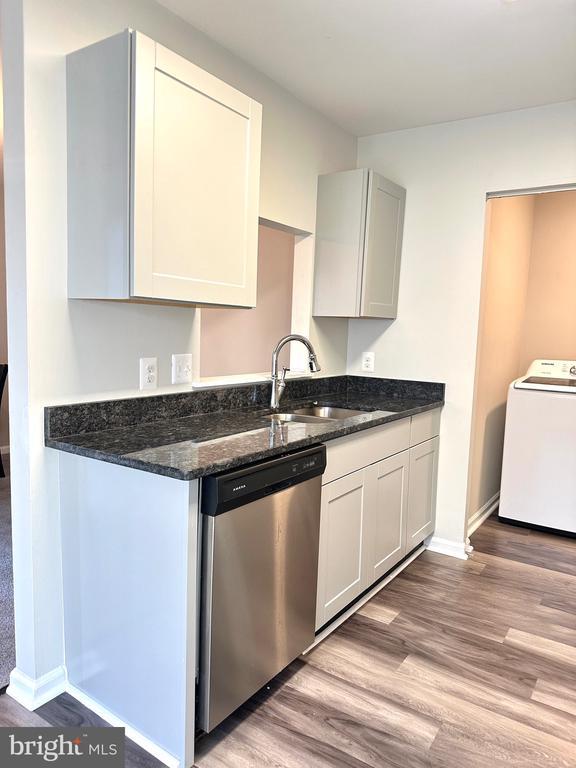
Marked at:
<point>340,226</point>
<point>163,178</point>
<point>195,182</point>
<point>359,225</point>
<point>382,247</point>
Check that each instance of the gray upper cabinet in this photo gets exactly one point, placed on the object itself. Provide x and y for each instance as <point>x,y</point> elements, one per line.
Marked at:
<point>163,178</point>
<point>359,225</point>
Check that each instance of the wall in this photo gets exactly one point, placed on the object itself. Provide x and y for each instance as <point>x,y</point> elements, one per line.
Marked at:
<point>447,170</point>
<point>550,324</point>
<point>4,437</point>
<point>236,341</point>
<point>507,256</point>
<point>65,351</point>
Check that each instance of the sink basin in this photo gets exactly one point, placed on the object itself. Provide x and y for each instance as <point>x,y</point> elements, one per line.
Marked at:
<point>327,412</point>
<point>281,418</point>
<point>314,414</point>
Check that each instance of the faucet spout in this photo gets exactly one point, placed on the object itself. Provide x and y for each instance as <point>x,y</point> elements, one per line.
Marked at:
<point>279,382</point>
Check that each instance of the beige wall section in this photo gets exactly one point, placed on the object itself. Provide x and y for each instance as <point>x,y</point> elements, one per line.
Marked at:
<point>550,326</point>
<point>236,341</point>
<point>509,224</point>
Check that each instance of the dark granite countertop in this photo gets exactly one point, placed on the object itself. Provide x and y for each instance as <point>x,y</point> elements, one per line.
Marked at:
<point>217,437</point>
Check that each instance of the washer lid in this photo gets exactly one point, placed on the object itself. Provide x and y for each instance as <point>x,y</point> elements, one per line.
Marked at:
<point>547,384</point>
<point>550,376</point>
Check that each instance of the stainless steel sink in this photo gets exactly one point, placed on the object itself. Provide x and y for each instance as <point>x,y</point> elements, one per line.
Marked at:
<point>328,412</point>
<point>314,414</point>
<point>281,418</point>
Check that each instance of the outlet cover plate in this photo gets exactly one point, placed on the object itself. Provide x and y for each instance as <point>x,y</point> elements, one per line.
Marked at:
<point>148,373</point>
<point>182,369</point>
<point>368,361</point>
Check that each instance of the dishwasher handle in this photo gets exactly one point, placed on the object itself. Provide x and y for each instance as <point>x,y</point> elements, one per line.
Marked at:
<point>229,490</point>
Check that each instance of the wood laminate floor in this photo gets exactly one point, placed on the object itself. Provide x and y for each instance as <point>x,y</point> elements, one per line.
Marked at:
<point>454,663</point>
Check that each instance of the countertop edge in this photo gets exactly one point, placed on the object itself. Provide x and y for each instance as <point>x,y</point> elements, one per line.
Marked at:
<point>126,460</point>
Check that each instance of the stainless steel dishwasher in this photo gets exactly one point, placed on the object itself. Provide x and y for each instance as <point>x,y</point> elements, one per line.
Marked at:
<point>260,532</point>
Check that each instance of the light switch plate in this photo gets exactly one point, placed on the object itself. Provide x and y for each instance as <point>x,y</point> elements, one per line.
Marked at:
<point>148,373</point>
<point>368,360</point>
<point>182,369</point>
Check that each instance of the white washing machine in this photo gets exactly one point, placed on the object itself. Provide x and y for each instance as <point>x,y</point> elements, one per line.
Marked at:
<point>539,463</point>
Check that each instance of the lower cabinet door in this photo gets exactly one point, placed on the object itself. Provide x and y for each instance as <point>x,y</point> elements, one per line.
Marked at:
<point>341,572</point>
<point>387,503</point>
<point>421,515</point>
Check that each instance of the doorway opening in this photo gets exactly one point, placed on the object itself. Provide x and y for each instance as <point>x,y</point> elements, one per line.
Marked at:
<point>527,312</point>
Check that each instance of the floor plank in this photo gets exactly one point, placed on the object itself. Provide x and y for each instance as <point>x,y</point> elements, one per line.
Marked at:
<point>378,612</point>
<point>560,652</point>
<point>516,543</point>
<point>557,695</point>
<point>13,715</point>
<point>528,711</point>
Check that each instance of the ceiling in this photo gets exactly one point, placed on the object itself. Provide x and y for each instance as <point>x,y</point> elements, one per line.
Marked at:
<point>383,65</point>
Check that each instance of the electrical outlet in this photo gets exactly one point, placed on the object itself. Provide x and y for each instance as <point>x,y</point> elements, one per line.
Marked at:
<point>368,359</point>
<point>148,373</point>
<point>182,369</point>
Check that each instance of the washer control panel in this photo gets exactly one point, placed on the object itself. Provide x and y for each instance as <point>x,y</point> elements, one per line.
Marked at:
<point>554,369</point>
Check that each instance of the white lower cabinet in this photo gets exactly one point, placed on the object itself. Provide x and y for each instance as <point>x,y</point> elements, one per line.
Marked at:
<point>387,501</point>
<point>342,540</point>
<point>372,517</point>
<point>421,515</point>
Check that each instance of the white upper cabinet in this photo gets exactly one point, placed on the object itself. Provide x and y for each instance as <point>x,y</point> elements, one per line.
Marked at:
<point>360,220</point>
<point>163,178</point>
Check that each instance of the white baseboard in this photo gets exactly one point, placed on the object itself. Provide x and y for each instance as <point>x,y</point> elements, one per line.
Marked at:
<point>476,520</point>
<point>448,547</point>
<point>138,738</point>
<point>353,608</point>
<point>33,693</point>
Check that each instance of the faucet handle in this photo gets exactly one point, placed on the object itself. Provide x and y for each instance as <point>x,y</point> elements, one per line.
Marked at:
<point>285,369</point>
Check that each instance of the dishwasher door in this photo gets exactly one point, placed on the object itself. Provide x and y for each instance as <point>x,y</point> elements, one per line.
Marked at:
<point>260,569</point>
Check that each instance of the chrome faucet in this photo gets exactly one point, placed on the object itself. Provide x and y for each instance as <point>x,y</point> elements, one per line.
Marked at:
<point>279,381</point>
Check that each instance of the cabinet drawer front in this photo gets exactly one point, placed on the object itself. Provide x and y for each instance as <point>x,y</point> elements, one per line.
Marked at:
<point>425,426</point>
<point>347,454</point>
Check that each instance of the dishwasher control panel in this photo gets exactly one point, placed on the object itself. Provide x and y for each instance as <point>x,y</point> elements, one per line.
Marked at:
<point>223,492</point>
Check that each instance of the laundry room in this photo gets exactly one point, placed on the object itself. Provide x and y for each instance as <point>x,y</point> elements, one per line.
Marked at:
<point>527,335</point>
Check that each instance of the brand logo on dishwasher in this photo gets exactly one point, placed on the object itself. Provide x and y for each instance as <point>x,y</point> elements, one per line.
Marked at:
<point>238,487</point>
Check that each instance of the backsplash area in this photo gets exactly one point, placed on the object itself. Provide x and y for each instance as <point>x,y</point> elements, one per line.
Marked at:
<point>80,418</point>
